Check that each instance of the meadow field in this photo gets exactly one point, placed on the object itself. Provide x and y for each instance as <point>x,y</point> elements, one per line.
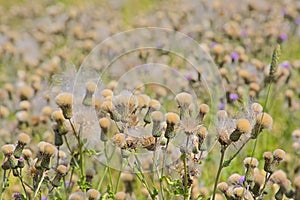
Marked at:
<point>148,99</point>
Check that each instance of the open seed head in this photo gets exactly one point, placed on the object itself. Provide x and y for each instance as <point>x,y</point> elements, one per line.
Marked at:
<point>91,87</point>
<point>62,169</point>
<point>234,179</point>
<point>223,187</point>
<point>49,149</point>
<point>278,177</point>
<point>104,123</point>
<point>154,104</point>
<point>57,115</point>
<point>256,108</point>
<point>77,196</point>
<point>93,194</point>
<point>107,93</point>
<point>204,108</point>
<point>143,100</point>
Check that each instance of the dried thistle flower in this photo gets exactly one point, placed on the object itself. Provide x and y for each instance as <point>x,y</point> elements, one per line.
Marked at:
<point>64,101</point>
<point>120,196</point>
<point>263,121</point>
<point>104,124</point>
<point>243,126</point>
<point>77,196</point>
<point>203,110</point>
<point>93,194</point>
<point>172,119</point>
<point>61,171</point>
<point>157,118</point>
<point>148,143</point>
<point>183,100</point>
<point>23,140</point>
<point>26,93</point>
<point>143,101</point>
<point>223,138</point>
<point>90,88</point>
<point>153,106</point>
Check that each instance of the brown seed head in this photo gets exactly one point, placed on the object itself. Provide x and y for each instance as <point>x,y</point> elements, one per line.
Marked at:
<point>104,123</point>
<point>93,194</point>
<point>243,125</point>
<point>223,186</point>
<point>8,149</point>
<point>157,116</point>
<point>58,116</point>
<point>90,87</point>
<point>238,192</point>
<point>23,138</point>
<point>172,118</point>
<point>183,99</point>
<point>250,162</point>
<point>268,155</point>
<point>120,196</point>
<point>107,93</point>
<point>25,105</point>
<point>264,120</point>
<point>279,154</point>
<point>256,107</point>
<point>143,100</point>
<point>154,104</point>
<point>204,108</point>
<point>49,149</point>
<point>234,179</point>
<point>64,99</point>
<point>62,169</point>
<point>27,154</point>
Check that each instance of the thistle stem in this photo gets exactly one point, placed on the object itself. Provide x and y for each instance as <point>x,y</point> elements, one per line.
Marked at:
<point>223,149</point>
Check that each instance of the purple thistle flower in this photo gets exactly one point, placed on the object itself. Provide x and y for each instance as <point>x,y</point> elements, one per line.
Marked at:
<point>244,32</point>
<point>44,198</point>
<point>285,65</point>
<point>234,56</point>
<point>283,37</point>
<point>298,90</point>
<point>233,96</point>
<point>297,20</point>
<point>188,77</point>
<point>241,180</point>
<point>221,106</point>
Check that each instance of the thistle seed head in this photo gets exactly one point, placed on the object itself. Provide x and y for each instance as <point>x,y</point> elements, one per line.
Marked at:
<point>223,187</point>
<point>279,155</point>
<point>107,93</point>
<point>120,196</point>
<point>62,169</point>
<point>204,108</point>
<point>172,118</point>
<point>243,125</point>
<point>91,87</point>
<point>183,99</point>
<point>93,194</point>
<point>23,139</point>
<point>64,101</point>
<point>264,120</point>
<point>8,149</point>
<point>250,162</point>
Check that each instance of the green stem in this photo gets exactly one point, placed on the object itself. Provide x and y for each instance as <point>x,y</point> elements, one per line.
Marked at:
<point>123,164</point>
<point>39,185</point>
<point>223,149</point>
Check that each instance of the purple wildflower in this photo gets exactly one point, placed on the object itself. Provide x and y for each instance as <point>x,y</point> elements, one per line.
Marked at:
<point>244,32</point>
<point>44,198</point>
<point>285,65</point>
<point>234,56</point>
<point>298,90</point>
<point>283,37</point>
<point>297,20</point>
<point>241,180</point>
<point>189,77</point>
<point>233,96</point>
<point>221,106</point>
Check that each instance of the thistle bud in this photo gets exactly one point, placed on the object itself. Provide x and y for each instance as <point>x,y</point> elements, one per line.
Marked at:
<point>90,88</point>
<point>172,119</point>
<point>278,156</point>
<point>157,118</point>
<point>26,93</point>
<point>23,140</point>
<point>65,101</point>
<point>9,161</point>
<point>243,126</point>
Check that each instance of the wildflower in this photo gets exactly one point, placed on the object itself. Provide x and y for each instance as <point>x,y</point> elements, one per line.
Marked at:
<point>157,118</point>
<point>93,194</point>
<point>23,140</point>
<point>278,156</point>
<point>263,121</point>
<point>108,107</point>
<point>107,93</point>
<point>90,88</point>
<point>61,171</point>
<point>183,100</point>
<point>65,101</point>
<point>172,119</point>
<point>243,126</point>
<point>234,56</point>
<point>143,101</point>
<point>223,187</point>
<point>104,124</point>
<point>233,96</point>
<point>250,164</point>
<point>223,138</point>
<point>234,179</point>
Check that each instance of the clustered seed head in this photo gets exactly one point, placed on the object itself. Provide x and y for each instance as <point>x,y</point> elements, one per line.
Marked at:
<point>93,194</point>
<point>27,154</point>
<point>278,177</point>
<point>119,140</point>
<point>265,120</point>
<point>250,162</point>
<point>64,101</point>
<point>243,125</point>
